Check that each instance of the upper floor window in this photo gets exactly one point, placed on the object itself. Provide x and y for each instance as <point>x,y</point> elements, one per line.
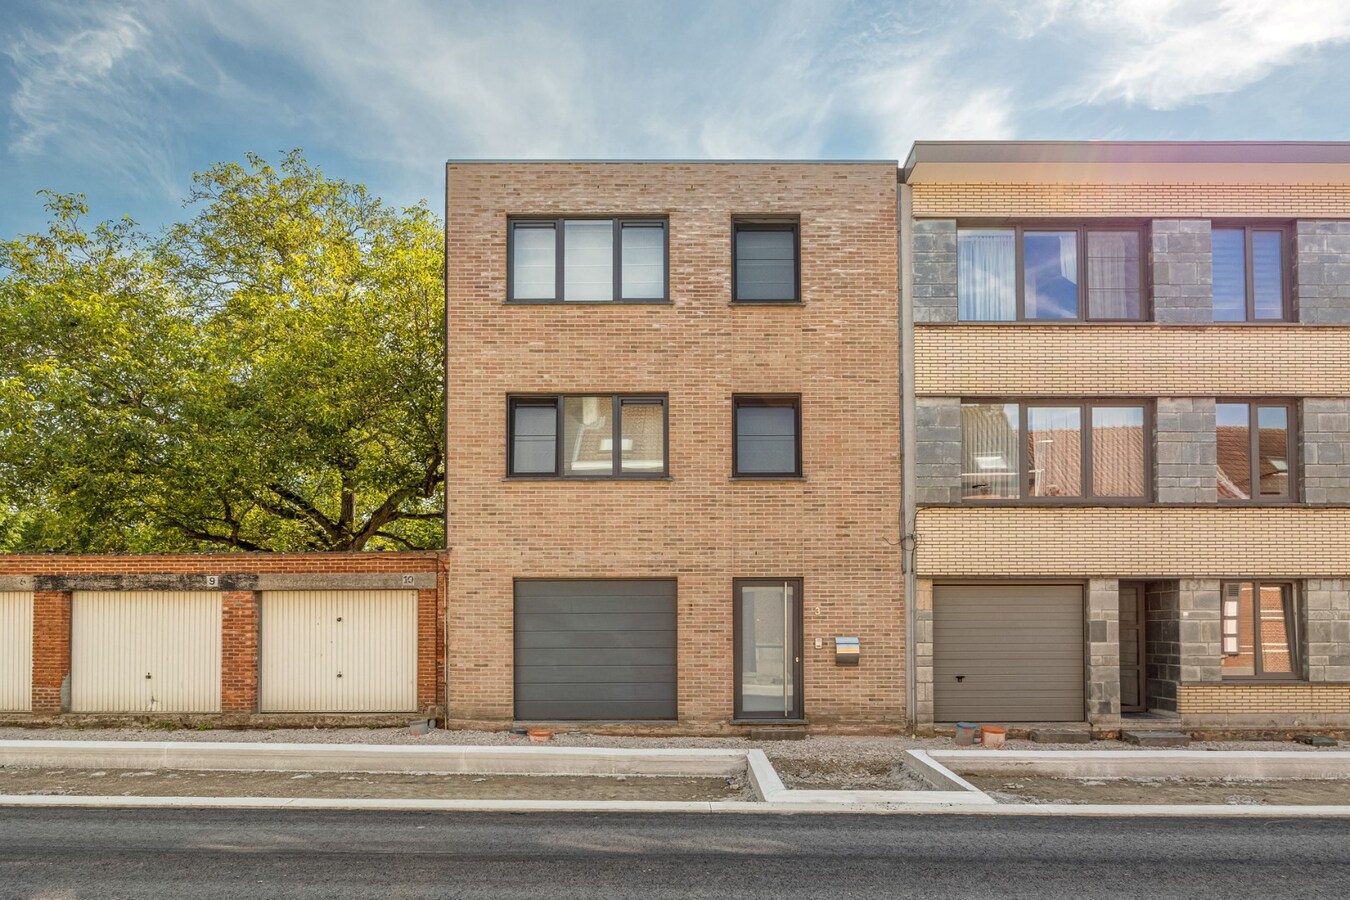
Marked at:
<point>1249,274</point>
<point>586,260</point>
<point>1065,273</point>
<point>766,267</point>
<point>766,436</point>
<point>1054,450</point>
<point>1260,630</point>
<point>588,436</point>
<point>1255,450</point>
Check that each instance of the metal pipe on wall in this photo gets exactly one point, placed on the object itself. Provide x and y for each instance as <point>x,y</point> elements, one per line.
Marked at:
<point>908,441</point>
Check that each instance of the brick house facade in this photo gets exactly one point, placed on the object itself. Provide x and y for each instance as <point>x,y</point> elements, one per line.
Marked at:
<point>834,528</point>
<point>1166,579</point>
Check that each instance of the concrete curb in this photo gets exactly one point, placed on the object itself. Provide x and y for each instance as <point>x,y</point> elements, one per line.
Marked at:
<point>1145,763</point>
<point>648,806</point>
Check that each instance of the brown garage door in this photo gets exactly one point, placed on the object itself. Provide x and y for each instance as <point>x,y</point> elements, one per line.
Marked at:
<point>1008,653</point>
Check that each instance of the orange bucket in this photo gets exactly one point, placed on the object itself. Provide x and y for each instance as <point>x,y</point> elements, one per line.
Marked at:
<point>992,736</point>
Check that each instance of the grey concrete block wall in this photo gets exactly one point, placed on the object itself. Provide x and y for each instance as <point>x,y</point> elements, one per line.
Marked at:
<point>937,463</point>
<point>1322,272</point>
<point>1162,645</point>
<point>1324,443</point>
<point>933,255</point>
<point>1182,263</point>
<point>1103,650</point>
<point>1186,450</point>
<point>1326,645</point>
<point>1199,631</point>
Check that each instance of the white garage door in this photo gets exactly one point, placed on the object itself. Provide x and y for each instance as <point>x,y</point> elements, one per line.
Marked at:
<point>339,651</point>
<point>16,651</point>
<point>145,651</point>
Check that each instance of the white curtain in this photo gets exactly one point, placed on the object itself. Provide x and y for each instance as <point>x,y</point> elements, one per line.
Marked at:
<point>986,275</point>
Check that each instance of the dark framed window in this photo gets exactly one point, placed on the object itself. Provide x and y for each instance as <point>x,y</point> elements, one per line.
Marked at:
<point>1251,283</point>
<point>587,260</point>
<point>587,436</point>
<point>1056,450</point>
<point>1053,272</point>
<point>1256,453</point>
<point>1260,630</point>
<point>766,436</point>
<point>766,263</point>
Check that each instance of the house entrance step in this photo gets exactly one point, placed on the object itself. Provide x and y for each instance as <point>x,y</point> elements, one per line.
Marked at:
<point>1156,738</point>
<point>1060,736</point>
<point>778,734</point>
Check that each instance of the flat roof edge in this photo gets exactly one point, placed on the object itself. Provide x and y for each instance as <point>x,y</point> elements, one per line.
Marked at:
<point>668,162</point>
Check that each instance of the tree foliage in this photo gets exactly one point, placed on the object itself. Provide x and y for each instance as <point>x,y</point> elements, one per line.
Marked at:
<point>267,375</point>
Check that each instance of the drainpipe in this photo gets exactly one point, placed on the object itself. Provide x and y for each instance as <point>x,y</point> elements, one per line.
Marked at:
<point>908,441</point>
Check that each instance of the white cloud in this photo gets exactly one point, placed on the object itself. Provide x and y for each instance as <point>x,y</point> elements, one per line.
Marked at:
<point>1167,54</point>
<point>90,90</point>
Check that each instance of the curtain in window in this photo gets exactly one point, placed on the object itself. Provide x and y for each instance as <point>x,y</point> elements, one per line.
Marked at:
<point>588,260</point>
<point>766,264</point>
<point>986,275</point>
<point>1268,274</point>
<point>1230,274</point>
<point>644,262</point>
<point>1113,275</point>
<point>534,255</point>
<point>989,451</point>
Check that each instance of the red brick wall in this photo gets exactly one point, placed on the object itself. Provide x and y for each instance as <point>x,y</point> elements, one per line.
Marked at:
<point>51,648</point>
<point>837,529</point>
<point>240,612</point>
<point>239,652</point>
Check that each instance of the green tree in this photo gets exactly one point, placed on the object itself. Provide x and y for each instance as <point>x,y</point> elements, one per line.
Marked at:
<point>265,376</point>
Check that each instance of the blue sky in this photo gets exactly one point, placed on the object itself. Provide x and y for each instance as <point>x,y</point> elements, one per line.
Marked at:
<point>123,101</point>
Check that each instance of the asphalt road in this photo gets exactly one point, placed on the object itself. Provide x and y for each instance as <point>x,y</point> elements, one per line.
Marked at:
<point>187,854</point>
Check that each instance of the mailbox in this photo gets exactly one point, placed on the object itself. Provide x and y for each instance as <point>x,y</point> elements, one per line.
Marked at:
<point>845,651</point>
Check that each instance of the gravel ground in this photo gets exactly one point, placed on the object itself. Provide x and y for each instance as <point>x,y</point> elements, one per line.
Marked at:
<point>1224,791</point>
<point>358,785</point>
<point>818,762</point>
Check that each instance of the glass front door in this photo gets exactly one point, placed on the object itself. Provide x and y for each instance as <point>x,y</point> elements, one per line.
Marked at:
<point>768,649</point>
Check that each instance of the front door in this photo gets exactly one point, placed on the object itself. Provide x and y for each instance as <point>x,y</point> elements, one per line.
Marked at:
<point>768,648</point>
<point>1132,697</point>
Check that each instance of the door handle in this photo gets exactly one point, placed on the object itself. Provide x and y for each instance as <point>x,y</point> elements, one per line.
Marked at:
<point>960,678</point>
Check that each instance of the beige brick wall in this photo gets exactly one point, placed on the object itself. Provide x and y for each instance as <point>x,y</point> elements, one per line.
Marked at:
<point>1247,699</point>
<point>837,529</point>
<point>1140,542</point>
<point>1132,360</point>
<point>1202,201</point>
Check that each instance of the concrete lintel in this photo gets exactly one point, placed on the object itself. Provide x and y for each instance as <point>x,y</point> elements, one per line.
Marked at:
<point>347,581</point>
<point>223,581</point>
<point>16,582</point>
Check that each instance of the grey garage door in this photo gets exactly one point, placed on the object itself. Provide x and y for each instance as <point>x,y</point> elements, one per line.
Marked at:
<point>1008,653</point>
<point>595,650</point>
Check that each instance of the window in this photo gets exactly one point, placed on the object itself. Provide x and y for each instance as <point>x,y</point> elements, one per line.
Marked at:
<point>1259,630</point>
<point>766,268</point>
<point>586,261</point>
<point>1070,451</point>
<point>1255,451</point>
<point>600,436</point>
<point>1048,274</point>
<point>1249,282</point>
<point>767,437</point>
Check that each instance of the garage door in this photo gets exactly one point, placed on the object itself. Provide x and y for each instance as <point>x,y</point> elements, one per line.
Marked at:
<point>339,651</point>
<point>145,651</point>
<point>16,651</point>
<point>595,650</point>
<point>1008,653</point>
